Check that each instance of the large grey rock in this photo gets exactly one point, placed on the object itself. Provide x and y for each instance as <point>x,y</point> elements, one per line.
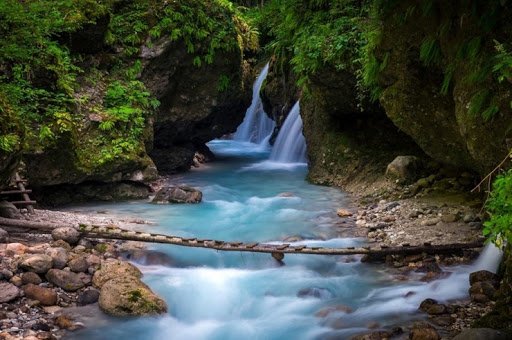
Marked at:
<point>9,210</point>
<point>111,269</point>
<point>403,168</point>
<point>59,257</point>
<point>67,280</point>
<point>4,236</point>
<point>126,296</point>
<point>178,194</point>
<point>39,263</point>
<point>68,234</point>
<point>8,292</point>
<point>481,333</point>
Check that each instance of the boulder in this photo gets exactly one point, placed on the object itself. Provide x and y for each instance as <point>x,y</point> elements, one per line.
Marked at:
<point>39,263</point>
<point>9,210</point>
<point>481,333</point>
<point>88,296</point>
<point>68,281</point>
<point>67,234</point>
<point>8,292</point>
<point>46,296</point>
<point>111,269</point>
<point>485,288</point>
<point>78,264</point>
<point>423,331</point>
<point>59,257</point>
<point>481,276</point>
<point>178,194</point>
<point>403,168</point>
<point>128,296</point>
<point>4,236</point>
<point>30,277</point>
<point>432,307</point>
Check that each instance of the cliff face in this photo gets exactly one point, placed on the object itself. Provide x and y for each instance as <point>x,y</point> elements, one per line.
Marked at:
<point>135,98</point>
<point>347,143</point>
<point>197,104</point>
<point>437,84</point>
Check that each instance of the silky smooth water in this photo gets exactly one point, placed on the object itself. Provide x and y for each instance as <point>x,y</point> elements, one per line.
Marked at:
<point>290,145</point>
<point>216,295</point>
<point>257,127</point>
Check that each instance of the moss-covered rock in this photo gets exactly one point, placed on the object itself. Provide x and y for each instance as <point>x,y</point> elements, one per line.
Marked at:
<point>128,296</point>
<point>347,143</point>
<point>436,81</point>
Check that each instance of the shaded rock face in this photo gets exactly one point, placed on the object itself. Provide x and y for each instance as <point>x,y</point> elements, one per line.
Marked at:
<point>62,165</point>
<point>9,161</point>
<point>63,194</point>
<point>194,108</point>
<point>441,124</point>
<point>279,93</point>
<point>9,210</point>
<point>346,145</point>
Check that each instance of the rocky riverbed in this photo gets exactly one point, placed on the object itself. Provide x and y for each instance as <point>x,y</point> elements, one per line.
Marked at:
<point>49,281</point>
<point>45,278</point>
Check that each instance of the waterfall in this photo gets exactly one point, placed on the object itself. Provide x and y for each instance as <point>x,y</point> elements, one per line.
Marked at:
<point>489,259</point>
<point>257,126</point>
<point>290,146</point>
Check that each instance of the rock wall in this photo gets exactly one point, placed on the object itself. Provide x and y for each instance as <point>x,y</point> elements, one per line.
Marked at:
<point>347,144</point>
<point>443,124</point>
<point>194,107</point>
<point>197,104</point>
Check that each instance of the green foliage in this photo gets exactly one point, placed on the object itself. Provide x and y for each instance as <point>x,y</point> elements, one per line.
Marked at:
<point>499,206</point>
<point>502,67</point>
<point>313,34</point>
<point>430,52</point>
<point>204,27</point>
<point>223,83</point>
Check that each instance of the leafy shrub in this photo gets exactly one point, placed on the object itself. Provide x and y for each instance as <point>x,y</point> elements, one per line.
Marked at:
<point>499,206</point>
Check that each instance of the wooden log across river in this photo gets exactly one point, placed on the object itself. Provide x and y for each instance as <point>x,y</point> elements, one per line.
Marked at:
<point>115,233</point>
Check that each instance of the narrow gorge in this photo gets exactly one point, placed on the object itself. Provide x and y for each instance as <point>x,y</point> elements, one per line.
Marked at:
<point>340,124</point>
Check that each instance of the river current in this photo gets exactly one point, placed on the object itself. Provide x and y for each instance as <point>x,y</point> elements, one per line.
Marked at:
<point>216,295</point>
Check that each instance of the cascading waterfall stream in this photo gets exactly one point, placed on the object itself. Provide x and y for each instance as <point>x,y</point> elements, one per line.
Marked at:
<point>256,127</point>
<point>290,145</point>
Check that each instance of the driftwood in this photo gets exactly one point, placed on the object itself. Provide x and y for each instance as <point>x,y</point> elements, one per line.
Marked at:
<point>115,233</point>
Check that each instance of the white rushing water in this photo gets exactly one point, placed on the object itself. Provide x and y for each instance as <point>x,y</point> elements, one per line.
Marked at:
<point>256,127</point>
<point>290,145</point>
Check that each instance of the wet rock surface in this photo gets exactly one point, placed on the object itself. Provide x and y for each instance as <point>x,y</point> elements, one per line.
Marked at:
<point>178,194</point>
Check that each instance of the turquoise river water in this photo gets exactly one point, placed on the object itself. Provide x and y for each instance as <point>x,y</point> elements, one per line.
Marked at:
<point>216,295</point>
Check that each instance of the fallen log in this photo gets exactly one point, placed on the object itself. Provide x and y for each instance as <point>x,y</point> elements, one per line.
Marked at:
<point>110,232</point>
